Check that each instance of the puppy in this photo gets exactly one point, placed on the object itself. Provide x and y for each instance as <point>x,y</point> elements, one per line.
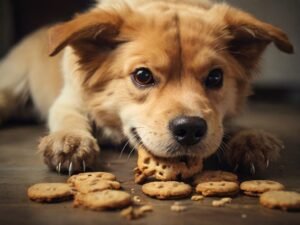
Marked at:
<point>164,74</point>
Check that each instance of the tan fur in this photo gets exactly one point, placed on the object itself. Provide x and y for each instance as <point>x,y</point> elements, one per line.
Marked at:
<point>28,68</point>
<point>179,41</point>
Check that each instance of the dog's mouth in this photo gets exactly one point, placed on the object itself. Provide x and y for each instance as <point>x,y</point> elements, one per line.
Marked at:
<point>173,150</point>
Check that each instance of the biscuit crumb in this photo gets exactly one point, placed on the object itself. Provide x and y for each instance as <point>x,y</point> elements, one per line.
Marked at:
<point>217,203</point>
<point>221,202</point>
<point>136,199</point>
<point>197,197</point>
<point>178,207</point>
<point>226,200</point>
<point>146,208</point>
<point>128,213</point>
<point>132,213</point>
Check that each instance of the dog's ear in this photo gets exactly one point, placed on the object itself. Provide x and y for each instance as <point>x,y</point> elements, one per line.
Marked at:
<point>248,37</point>
<point>89,26</point>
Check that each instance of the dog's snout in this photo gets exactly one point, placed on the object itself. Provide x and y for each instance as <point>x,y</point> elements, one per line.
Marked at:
<point>188,130</point>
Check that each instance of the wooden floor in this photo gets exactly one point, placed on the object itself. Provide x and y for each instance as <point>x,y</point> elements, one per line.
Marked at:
<point>21,166</point>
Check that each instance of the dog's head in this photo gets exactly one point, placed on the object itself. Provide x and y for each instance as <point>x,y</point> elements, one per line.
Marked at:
<point>168,75</point>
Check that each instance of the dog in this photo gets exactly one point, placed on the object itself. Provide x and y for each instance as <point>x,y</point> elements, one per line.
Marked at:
<point>168,75</point>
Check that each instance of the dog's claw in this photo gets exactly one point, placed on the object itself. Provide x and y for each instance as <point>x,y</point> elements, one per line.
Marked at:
<point>70,168</point>
<point>58,167</point>
<point>83,166</point>
<point>252,169</point>
<point>236,167</point>
<point>267,163</point>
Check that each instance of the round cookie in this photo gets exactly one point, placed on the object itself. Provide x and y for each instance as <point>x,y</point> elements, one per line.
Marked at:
<point>285,200</point>
<point>96,184</point>
<point>257,187</point>
<point>214,175</point>
<point>165,169</point>
<point>101,200</point>
<point>167,189</point>
<point>218,188</point>
<point>50,192</point>
<point>75,179</point>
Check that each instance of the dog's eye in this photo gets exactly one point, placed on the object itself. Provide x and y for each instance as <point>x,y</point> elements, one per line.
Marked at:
<point>214,79</point>
<point>143,77</point>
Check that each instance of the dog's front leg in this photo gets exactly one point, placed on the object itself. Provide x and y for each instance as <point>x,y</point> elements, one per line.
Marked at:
<point>70,146</point>
<point>250,150</point>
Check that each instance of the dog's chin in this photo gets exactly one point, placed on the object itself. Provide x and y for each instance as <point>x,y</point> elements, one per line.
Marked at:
<point>173,150</point>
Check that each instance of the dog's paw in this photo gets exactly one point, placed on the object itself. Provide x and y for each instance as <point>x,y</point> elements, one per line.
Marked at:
<point>69,151</point>
<point>252,150</point>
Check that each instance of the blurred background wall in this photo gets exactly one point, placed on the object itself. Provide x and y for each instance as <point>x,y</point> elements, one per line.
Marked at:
<point>280,72</point>
<point>20,17</point>
<point>280,77</point>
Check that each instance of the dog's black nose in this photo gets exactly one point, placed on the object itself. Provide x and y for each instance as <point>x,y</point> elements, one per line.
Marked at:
<point>188,130</point>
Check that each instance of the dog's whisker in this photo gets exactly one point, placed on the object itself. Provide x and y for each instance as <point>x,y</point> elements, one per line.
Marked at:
<point>136,145</point>
<point>132,150</point>
<point>123,149</point>
<point>227,136</point>
<point>220,149</point>
<point>225,145</point>
<point>171,147</point>
<point>223,48</point>
<point>135,136</point>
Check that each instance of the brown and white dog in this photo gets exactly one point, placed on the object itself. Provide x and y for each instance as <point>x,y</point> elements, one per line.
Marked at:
<point>164,74</point>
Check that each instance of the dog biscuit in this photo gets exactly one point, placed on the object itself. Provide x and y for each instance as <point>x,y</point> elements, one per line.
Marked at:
<point>75,179</point>
<point>165,169</point>
<point>93,185</point>
<point>214,175</point>
<point>101,200</point>
<point>167,189</point>
<point>285,200</point>
<point>257,187</point>
<point>50,192</point>
<point>218,188</point>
